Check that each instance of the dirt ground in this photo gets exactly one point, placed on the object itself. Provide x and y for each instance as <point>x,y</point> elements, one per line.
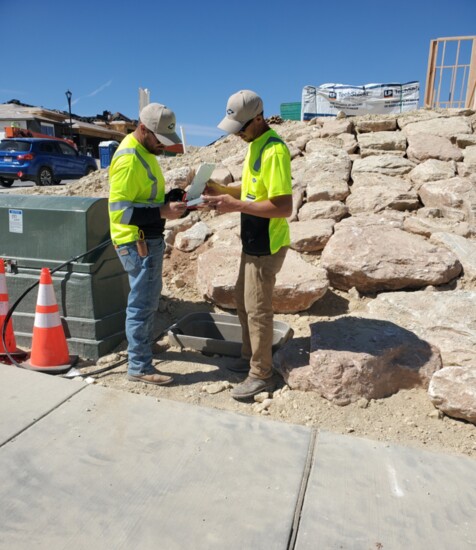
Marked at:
<point>406,418</point>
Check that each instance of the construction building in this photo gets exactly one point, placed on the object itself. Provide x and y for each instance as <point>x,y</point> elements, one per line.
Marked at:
<point>86,132</point>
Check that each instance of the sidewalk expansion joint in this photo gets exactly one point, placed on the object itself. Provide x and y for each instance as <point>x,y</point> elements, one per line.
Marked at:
<point>36,420</point>
<point>302,490</point>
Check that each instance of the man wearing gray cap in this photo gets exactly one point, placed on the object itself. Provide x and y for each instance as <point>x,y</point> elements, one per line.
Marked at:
<point>137,214</point>
<point>264,201</point>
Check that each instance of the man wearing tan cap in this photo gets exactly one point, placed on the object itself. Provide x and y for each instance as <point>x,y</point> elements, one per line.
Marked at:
<point>137,213</point>
<point>264,201</point>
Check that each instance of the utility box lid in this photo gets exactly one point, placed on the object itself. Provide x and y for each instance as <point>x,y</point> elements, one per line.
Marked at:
<point>216,333</point>
<point>45,230</point>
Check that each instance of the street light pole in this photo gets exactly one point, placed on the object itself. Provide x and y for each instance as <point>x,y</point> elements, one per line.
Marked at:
<point>68,97</point>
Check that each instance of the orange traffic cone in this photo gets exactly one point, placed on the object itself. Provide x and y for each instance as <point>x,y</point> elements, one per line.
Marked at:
<point>10,342</point>
<point>49,349</point>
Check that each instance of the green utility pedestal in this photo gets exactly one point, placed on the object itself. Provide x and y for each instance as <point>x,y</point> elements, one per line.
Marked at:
<point>46,231</point>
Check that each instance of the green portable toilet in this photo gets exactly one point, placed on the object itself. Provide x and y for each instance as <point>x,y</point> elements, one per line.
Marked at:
<point>46,231</point>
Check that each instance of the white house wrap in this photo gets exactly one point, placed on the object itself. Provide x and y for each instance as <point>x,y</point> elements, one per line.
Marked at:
<point>329,99</point>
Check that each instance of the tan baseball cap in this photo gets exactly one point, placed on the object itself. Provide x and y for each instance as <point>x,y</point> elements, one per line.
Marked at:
<point>241,107</point>
<point>160,120</point>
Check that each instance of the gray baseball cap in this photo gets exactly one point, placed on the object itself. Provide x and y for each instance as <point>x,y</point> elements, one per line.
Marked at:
<point>241,107</point>
<point>160,120</point>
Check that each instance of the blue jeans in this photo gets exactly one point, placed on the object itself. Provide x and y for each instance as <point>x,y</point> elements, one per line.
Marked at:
<point>145,281</point>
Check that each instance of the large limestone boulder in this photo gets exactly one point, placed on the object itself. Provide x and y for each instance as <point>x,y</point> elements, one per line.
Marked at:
<point>383,124</point>
<point>179,177</point>
<point>374,258</point>
<point>448,127</point>
<point>346,142</point>
<point>424,223</point>
<point>411,117</point>
<point>192,238</point>
<point>445,319</point>
<point>432,170</point>
<point>222,175</point>
<point>225,229</point>
<point>331,210</point>
<point>392,218</point>
<point>217,270</point>
<point>470,158</point>
<point>334,127</point>
<point>376,192</point>
<point>453,391</point>
<point>420,148</point>
<point>352,358</point>
<point>378,143</point>
<point>464,249</point>
<point>365,180</point>
<point>389,165</point>
<point>324,157</point>
<point>325,186</point>
<point>174,227</point>
<point>298,285</point>
<point>310,235</point>
<point>455,193</point>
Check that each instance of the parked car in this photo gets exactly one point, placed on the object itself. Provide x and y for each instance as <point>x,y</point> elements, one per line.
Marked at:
<point>44,161</point>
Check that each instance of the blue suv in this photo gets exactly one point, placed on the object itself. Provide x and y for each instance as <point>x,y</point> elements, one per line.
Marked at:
<point>44,161</point>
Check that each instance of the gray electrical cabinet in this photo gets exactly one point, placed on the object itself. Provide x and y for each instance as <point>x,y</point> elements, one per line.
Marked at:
<point>39,231</point>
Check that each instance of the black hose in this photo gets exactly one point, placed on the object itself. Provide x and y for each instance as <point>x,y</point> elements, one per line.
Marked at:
<point>12,309</point>
<point>99,371</point>
<point>114,365</point>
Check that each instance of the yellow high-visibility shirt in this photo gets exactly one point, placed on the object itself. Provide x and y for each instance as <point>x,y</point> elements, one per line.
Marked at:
<point>136,181</point>
<point>266,174</point>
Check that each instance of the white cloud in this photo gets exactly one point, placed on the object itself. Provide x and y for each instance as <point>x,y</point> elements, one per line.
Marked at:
<point>95,92</point>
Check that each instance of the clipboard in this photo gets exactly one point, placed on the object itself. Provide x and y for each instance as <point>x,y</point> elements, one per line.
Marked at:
<point>199,182</point>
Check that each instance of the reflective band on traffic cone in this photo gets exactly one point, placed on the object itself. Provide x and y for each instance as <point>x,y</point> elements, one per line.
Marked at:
<point>10,342</point>
<point>49,349</point>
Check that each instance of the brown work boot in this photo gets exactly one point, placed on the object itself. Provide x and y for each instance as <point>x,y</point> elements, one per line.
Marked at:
<point>156,378</point>
<point>252,386</point>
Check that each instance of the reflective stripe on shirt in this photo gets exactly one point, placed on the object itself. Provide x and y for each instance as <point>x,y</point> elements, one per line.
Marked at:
<point>131,151</point>
<point>128,206</point>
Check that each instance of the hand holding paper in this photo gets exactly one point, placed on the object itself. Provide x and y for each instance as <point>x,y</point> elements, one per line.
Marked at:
<point>198,184</point>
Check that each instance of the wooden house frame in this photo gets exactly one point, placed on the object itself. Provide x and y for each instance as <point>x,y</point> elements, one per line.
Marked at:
<point>451,73</point>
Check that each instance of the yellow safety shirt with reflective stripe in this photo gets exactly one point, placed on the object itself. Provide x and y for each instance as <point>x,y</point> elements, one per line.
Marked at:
<point>266,174</point>
<point>136,181</point>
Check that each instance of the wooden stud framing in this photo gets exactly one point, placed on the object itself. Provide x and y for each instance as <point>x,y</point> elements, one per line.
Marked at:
<point>460,94</point>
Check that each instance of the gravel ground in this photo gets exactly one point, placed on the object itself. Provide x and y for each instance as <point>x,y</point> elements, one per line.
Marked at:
<point>406,418</point>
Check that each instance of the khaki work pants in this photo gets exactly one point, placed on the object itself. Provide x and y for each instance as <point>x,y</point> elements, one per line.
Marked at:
<point>254,301</point>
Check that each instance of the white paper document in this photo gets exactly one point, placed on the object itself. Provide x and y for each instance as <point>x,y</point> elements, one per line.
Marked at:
<point>199,182</point>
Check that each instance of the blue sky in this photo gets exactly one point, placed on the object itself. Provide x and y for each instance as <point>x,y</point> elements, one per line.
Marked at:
<point>191,55</point>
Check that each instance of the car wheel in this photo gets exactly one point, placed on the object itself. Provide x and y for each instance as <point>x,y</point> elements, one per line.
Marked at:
<point>6,183</point>
<point>89,170</point>
<point>45,176</point>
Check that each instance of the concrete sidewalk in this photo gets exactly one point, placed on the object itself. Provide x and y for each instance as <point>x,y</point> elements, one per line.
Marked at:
<point>87,467</point>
